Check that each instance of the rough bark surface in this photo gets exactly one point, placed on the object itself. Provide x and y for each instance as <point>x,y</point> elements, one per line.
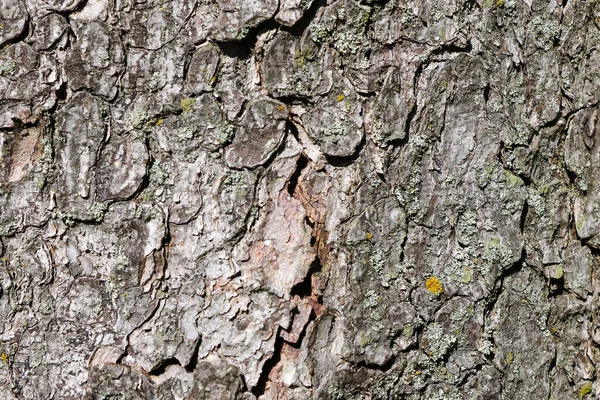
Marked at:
<point>299,199</point>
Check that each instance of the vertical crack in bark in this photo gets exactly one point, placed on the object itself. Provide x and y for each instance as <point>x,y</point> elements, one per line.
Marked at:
<point>305,289</point>
<point>523,219</point>
<point>293,183</point>
<point>268,366</point>
<point>486,92</point>
<point>191,366</point>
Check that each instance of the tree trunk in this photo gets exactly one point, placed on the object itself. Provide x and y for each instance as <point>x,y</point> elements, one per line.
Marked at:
<point>299,199</point>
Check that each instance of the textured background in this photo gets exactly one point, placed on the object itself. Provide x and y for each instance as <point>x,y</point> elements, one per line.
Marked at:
<point>296,199</point>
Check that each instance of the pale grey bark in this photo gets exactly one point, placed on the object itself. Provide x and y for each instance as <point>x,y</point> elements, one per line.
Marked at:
<point>299,199</point>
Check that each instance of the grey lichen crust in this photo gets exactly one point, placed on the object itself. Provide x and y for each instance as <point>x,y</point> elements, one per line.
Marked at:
<point>299,199</point>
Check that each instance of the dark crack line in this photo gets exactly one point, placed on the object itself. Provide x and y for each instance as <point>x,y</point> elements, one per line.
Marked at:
<point>151,315</point>
<point>346,161</point>
<point>20,37</point>
<point>162,366</point>
<point>304,22</point>
<point>191,366</point>
<point>261,386</point>
<point>303,289</point>
<point>244,48</point>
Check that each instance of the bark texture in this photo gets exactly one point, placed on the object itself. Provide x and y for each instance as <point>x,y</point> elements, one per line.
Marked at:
<point>299,199</point>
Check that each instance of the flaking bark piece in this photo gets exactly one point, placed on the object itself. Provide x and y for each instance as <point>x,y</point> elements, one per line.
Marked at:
<point>261,133</point>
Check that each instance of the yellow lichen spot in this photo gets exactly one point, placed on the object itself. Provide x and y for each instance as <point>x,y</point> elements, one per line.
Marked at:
<point>434,285</point>
<point>417,372</point>
<point>159,122</point>
<point>369,236</point>
<point>204,70</point>
<point>4,358</point>
<point>554,329</point>
<point>509,358</point>
<point>500,3</point>
<point>281,107</point>
<point>475,261</point>
<point>523,301</point>
<point>340,97</point>
<point>212,80</point>
<point>585,389</point>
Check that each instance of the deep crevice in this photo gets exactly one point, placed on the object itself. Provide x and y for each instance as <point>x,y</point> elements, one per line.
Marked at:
<point>191,366</point>
<point>242,48</point>
<point>524,212</point>
<point>551,123</point>
<point>470,373</point>
<point>572,177</point>
<point>122,356</point>
<point>294,98</point>
<point>346,161</point>
<point>67,13</point>
<point>385,367</point>
<point>413,110</point>
<point>304,288</point>
<point>163,365</point>
<point>307,17</point>
<point>556,287</point>
<point>61,96</point>
<point>293,182</point>
<point>261,385</point>
<point>409,119</point>
<point>452,48</point>
<point>552,364</point>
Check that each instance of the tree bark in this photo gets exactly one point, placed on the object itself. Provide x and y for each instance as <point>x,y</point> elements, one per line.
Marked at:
<point>299,199</point>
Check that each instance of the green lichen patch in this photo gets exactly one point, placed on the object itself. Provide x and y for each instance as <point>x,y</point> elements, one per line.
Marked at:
<point>226,134</point>
<point>96,211</point>
<point>436,342</point>
<point>187,105</point>
<point>7,68</point>
<point>138,118</point>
